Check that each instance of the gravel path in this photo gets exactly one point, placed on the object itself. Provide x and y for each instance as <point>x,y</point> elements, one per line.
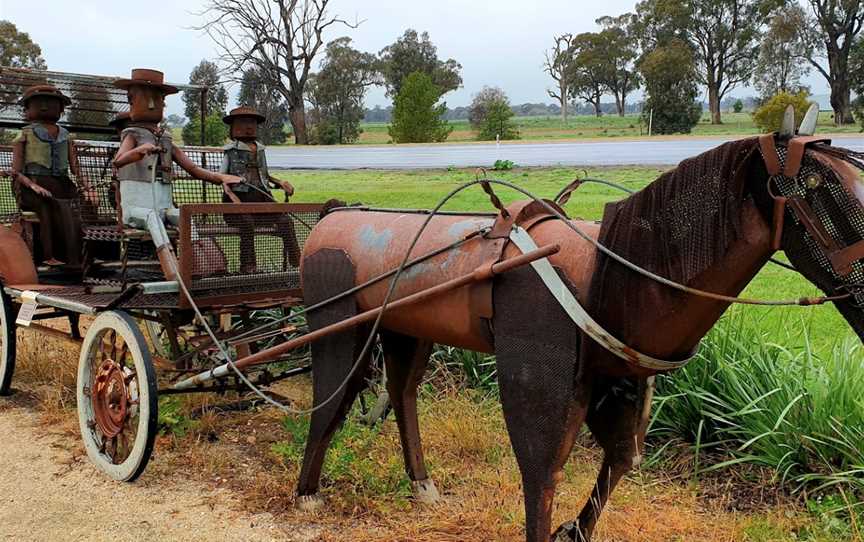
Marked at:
<point>48,494</point>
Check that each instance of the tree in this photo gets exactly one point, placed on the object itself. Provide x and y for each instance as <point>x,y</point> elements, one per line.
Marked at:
<point>175,121</point>
<point>215,131</point>
<point>587,81</point>
<point>738,106</point>
<point>281,38</point>
<point>780,65</point>
<point>414,52</point>
<point>205,74</point>
<point>17,50</point>
<point>337,91</point>
<point>256,91</point>
<point>769,117</point>
<point>670,85</point>
<point>490,115</point>
<point>558,67</point>
<point>856,68</point>
<point>617,52</point>
<point>831,35</point>
<point>416,117</point>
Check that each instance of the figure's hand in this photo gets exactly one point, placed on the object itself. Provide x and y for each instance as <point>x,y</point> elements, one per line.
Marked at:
<point>147,149</point>
<point>230,179</point>
<point>287,187</point>
<point>39,190</point>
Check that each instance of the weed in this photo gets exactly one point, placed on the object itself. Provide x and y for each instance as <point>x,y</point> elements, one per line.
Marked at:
<point>503,165</point>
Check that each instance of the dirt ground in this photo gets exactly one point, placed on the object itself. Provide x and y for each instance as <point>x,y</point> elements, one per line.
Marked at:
<point>48,492</point>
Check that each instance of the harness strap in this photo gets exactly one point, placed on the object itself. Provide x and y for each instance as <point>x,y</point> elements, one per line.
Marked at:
<point>797,146</point>
<point>522,239</point>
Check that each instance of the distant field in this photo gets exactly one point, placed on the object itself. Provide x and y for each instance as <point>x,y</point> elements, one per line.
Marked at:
<point>552,128</point>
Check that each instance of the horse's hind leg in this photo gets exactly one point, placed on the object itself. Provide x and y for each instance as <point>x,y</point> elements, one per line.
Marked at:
<point>406,358</point>
<point>543,392</point>
<point>326,273</point>
<point>618,418</point>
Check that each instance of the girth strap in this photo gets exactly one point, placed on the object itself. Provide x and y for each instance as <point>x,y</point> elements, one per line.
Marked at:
<point>522,239</point>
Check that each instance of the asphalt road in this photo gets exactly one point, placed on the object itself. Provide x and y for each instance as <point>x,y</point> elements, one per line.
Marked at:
<point>599,153</point>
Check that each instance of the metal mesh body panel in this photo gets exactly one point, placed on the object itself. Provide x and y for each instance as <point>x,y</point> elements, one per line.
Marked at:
<point>244,252</point>
<point>9,211</point>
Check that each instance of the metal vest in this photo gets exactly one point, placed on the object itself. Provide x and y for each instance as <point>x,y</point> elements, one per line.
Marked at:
<point>44,155</point>
<point>238,161</point>
<point>143,170</point>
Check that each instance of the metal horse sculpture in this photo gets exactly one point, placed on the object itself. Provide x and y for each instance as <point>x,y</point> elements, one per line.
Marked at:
<point>710,224</point>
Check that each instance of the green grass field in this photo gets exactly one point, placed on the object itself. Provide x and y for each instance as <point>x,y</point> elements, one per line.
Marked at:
<point>587,127</point>
<point>423,189</point>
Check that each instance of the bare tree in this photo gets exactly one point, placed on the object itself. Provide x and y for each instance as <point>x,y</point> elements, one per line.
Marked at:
<point>557,65</point>
<point>279,38</point>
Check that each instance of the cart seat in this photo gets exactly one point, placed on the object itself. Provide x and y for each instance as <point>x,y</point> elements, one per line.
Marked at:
<point>110,232</point>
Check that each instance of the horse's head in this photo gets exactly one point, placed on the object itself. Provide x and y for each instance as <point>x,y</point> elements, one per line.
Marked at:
<point>817,199</point>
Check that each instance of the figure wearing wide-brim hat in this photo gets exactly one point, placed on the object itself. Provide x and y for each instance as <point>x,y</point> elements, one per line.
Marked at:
<point>246,157</point>
<point>43,158</point>
<point>144,164</point>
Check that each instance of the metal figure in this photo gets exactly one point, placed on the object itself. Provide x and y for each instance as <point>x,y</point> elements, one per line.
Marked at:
<point>43,156</point>
<point>246,157</point>
<point>144,163</point>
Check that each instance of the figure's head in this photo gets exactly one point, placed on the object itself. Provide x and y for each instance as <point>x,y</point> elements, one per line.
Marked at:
<point>43,103</point>
<point>823,215</point>
<point>244,123</point>
<point>146,93</point>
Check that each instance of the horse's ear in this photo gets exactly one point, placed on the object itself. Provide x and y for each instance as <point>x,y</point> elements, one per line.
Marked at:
<point>808,125</point>
<point>788,128</point>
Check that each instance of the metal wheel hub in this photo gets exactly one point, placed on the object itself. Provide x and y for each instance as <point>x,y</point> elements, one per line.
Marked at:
<point>110,399</point>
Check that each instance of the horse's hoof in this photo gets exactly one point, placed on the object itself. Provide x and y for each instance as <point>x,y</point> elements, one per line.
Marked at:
<point>310,503</point>
<point>569,532</point>
<point>425,491</point>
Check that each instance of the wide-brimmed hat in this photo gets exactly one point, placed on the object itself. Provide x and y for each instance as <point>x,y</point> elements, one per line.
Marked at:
<point>243,112</point>
<point>119,119</point>
<point>146,78</point>
<point>43,90</point>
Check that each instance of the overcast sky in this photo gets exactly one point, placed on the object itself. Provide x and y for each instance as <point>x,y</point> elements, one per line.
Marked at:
<point>499,43</point>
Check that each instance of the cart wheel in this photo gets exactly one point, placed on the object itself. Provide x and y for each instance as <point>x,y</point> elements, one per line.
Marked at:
<point>117,396</point>
<point>7,343</point>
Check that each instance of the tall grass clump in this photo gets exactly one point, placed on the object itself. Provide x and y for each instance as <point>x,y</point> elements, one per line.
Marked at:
<point>755,401</point>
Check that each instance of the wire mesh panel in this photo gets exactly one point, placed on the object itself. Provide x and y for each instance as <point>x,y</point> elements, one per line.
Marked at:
<point>236,254</point>
<point>188,190</point>
<point>94,161</point>
<point>95,100</point>
<point>9,212</point>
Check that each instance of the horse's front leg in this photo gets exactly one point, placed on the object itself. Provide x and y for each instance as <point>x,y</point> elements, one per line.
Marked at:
<point>618,418</point>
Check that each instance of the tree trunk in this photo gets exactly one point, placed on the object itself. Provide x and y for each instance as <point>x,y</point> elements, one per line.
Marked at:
<point>563,93</point>
<point>714,103</point>
<point>841,99</point>
<point>297,114</point>
<point>619,104</point>
<point>597,112</point>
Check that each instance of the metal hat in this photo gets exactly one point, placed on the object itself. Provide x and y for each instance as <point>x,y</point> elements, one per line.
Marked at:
<point>120,118</point>
<point>243,112</point>
<point>43,90</point>
<point>146,78</point>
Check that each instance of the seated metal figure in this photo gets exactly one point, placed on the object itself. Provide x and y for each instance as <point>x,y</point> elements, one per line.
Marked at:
<point>245,157</point>
<point>144,164</point>
<point>42,159</point>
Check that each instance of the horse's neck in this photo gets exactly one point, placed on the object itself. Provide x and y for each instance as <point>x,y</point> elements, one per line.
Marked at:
<point>679,322</point>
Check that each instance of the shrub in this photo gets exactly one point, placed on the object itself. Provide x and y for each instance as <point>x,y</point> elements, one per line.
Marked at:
<point>769,117</point>
<point>670,83</point>
<point>215,131</point>
<point>416,117</point>
<point>738,106</point>
<point>490,115</point>
<point>503,165</point>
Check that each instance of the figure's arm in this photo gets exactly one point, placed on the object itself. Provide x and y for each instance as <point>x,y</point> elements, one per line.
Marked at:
<point>199,172</point>
<point>286,186</point>
<point>128,153</point>
<point>75,166</point>
<point>18,165</point>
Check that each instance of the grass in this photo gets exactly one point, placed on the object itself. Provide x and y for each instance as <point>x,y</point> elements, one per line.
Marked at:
<point>589,127</point>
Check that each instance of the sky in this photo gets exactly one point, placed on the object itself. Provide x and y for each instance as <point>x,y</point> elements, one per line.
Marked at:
<point>499,43</point>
